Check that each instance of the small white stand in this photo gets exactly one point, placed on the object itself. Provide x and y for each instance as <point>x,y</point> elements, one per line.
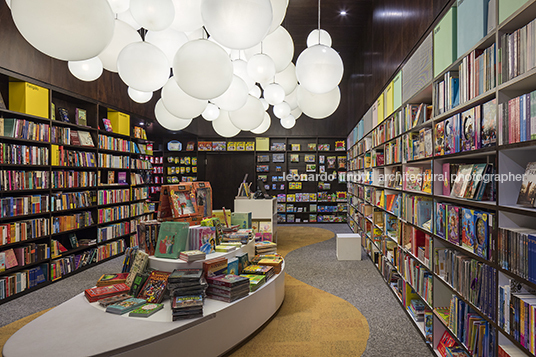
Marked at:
<point>348,246</point>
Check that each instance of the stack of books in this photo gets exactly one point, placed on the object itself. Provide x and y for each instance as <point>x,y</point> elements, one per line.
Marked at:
<point>111,279</point>
<point>267,271</point>
<point>97,293</point>
<point>187,307</point>
<point>192,255</point>
<point>274,260</point>
<point>255,281</point>
<point>228,287</point>
<point>265,247</point>
<point>125,306</point>
<point>225,248</point>
<point>187,282</point>
<point>416,310</point>
<point>113,300</point>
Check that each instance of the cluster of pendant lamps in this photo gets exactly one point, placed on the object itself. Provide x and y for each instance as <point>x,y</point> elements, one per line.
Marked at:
<point>230,60</point>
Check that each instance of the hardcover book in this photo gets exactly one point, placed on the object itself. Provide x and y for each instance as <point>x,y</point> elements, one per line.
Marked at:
<point>146,310</point>
<point>440,220</point>
<point>80,117</point>
<point>527,193</point>
<point>125,306</point>
<point>172,239</point>
<point>453,229</point>
<point>229,280</point>
<point>85,138</point>
<point>63,114</point>
<point>489,123</point>
<point>110,279</point>
<point>482,234</point>
<point>114,299</point>
<point>463,177</point>
<point>98,293</point>
<point>468,229</point>
<point>477,178</point>
<point>154,288</point>
<point>468,126</point>
<point>278,157</point>
<point>107,124</point>
<point>439,139</point>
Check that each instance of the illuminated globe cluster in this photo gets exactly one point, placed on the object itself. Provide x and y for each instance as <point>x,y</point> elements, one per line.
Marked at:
<point>209,58</point>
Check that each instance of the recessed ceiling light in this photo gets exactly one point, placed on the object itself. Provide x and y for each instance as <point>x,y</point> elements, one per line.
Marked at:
<point>343,13</point>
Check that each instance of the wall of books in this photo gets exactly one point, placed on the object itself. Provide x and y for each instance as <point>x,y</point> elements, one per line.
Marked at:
<point>441,182</point>
<point>74,182</point>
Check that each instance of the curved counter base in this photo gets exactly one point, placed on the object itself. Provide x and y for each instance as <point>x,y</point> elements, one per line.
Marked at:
<point>77,328</point>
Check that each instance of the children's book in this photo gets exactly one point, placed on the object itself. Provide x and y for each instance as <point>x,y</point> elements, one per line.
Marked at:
<point>427,181</point>
<point>468,229</point>
<point>125,306</point>
<point>439,139</point>
<point>310,158</point>
<point>294,158</point>
<point>183,202</point>
<point>155,286</point>
<point>111,279</point>
<point>146,310</point>
<point>527,193</point>
<point>440,219</point>
<point>277,158</point>
<point>468,126</point>
<point>107,124</point>
<point>482,234</point>
<point>172,239</point>
<point>295,147</point>
<point>80,117</point>
<point>453,227</point>
<point>446,179</point>
<point>63,114</point>
<point>463,177</point>
<point>489,123</point>
<point>477,178</point>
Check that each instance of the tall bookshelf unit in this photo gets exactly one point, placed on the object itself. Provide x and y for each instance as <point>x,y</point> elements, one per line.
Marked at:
<point>407,243</point>
<point>59,191</point>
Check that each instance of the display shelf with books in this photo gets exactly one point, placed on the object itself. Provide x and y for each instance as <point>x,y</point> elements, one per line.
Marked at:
<point>181,166</point>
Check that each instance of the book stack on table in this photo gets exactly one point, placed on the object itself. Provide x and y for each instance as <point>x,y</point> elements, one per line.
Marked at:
<point>227,288</point>
<point>187,289</point>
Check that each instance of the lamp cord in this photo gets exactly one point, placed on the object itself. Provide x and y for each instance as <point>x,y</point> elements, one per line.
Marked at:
<point>318,21</point>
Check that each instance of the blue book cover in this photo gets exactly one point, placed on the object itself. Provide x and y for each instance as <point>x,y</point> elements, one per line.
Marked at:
<point>440,228</point>
<point>532,257</point>
<point>468,229</point>
<point>482,234</point>
<point>455,88</point>
<point>472,23</point>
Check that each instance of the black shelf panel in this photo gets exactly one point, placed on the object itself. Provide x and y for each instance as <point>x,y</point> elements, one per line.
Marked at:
<point>76,209</point>
<point>115,152</point>
<point>24,141</point>
<point>22,242</point>
<point>28,191</point>
<point>22,267</point>
<point>73,230</point>
<point>27,291</point>
<point>79,188</point>
<point>72,125</point>
<point>19,115</point>
<point>59,167</point>
<point>23,217</point>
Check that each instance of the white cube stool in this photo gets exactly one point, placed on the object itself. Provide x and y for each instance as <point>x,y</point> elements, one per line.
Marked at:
<point>349,246</point>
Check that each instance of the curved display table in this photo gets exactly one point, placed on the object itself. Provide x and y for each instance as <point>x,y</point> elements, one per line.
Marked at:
<point>78,328</point>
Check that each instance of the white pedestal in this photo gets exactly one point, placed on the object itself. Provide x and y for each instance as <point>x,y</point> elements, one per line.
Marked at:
<point>261,210</point>
<point>348,246</point>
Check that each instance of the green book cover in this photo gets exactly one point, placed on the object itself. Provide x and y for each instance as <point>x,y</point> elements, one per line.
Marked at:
<point>508,7</point>
<point>243,219</point>
<point>172,239</point>
<point>9,126</point>
<point>445,46</point>
<point>397,90</point>
<point>146,310</point>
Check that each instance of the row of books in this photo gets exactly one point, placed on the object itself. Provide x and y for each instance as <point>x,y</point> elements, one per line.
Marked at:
<point>71,179</point>
<point>388,129</point>
<point>447,93</point>
<point>138,164</point>
<point>517,119</point>
<point>24,205</point>
<point>412,239</point>
<point>68,136</point>
<point>223,146</point>
<point>105,197</point>
<point>113,161</point>
<point>477,73</point>
<point>64,157</point>
<point>516,314</point>
<point>340,207</point>
<point>473,331</point>
<point>417,210</point>
<point>112,143</point>
<point>324,218</point>
<point>18,282</point>
<point>466,227</point>
<point>140,193</point>
<point>13,180</point>
<point>16,154</point>
<point>416,275</point>
<point>71,200</point>
<point>70,222</point>
<point>20,231</point>
<point>392,152</point>
<point>471,278</point>
<point>23,255</point>
<point>139,208</point>
<point>24,129</point>
<point>516,251</point>
<point>114,230</point>
<point>516,52</point>
<point>111,214</point>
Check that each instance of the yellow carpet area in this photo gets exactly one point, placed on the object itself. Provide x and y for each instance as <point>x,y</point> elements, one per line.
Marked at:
<point>311,322</point>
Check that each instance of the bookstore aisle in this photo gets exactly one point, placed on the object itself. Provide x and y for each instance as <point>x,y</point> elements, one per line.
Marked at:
<point>358,282</point>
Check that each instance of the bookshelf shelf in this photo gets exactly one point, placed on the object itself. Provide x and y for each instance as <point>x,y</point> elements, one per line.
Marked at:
<point>519,18</point>
<point>73,230</point>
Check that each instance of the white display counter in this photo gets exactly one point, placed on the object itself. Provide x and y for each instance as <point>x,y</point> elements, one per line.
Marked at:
<point>80,328</point>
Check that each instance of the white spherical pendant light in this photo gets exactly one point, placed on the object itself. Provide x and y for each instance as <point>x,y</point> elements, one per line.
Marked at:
<point>265,125</point>
<point>211,112</point>
<point>234,97</point>
<point>287,78</point>
<point>124,35</point>
<point>292,98</point>
<point>319,69</point>
<point>240,69</point>
<point>255,92</point>
<point>187,15</point>
<point>143,66</point>
<point>69,30</point>
<point>278,45</point>
<point>288,122</point>
<point>318,106</point>
<point>168,120</point>
<point>223,125</point>
<point>127,18</point>
<point>86,70</point>
<point>202,69</point>
<point>237,24</point>
<point>138,96</point>
<point>196,34</point>
<point>249,116</point>
<point>180,104</point>
<point>153,15</point>
<point>261,68</point>
<point>168,41</point>
<point>315,39</point>
<point>281,110</point>
<point>279,10</point>
<point>296,112</point>
<point>119,6</point>
<point>274,94</point>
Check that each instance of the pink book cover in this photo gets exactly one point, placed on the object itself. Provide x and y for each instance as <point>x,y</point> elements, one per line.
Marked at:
<point>11,260</point>
<point>446,179</point>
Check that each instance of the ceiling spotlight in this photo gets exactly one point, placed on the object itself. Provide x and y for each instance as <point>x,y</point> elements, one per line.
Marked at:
<point>343,13</point>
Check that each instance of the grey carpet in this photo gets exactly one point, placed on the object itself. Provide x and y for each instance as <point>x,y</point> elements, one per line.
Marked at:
<point>56,293</point>
<point>359,282</point>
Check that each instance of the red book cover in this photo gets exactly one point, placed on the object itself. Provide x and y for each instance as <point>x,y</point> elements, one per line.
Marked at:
<point>97,293</point>
<point>417,240</point>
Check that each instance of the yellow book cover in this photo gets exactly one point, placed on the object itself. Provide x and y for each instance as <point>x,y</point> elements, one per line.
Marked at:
<point>231,146</point>
<point>263,144</point>
<point>55,155</point>
<point>388,95</point>
<point>380,106</point>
